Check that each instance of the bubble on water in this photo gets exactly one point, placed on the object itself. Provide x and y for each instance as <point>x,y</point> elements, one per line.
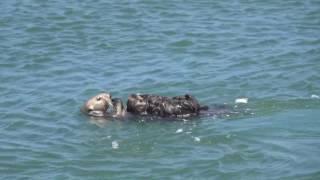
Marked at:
<point>179,130</point>
<point>313,96</point>
<point>115,145</point>
<point>241,101</point>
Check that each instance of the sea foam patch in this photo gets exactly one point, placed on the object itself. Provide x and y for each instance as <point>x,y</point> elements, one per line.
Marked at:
<point>179,130</point>
<point>115,145</point>
<point>197,139</point>
<point>241,101</point>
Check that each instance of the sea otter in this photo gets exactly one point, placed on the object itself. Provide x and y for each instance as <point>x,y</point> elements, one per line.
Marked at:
<point>152,105</point>
<point>163,106</point>
<point>103,105</point>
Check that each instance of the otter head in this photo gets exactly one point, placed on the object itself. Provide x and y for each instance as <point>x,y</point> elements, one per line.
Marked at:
<point>137,104</point>
<point>98,105</point>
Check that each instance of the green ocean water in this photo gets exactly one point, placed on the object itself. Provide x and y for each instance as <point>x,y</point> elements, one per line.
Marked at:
<point>56,54</point>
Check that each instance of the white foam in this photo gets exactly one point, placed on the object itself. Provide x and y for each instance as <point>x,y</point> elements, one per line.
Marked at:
<point>196,139</point>
<point>179,130</point>
<point>313,96</point>
<point>115,145</point>
<point>241,101</point>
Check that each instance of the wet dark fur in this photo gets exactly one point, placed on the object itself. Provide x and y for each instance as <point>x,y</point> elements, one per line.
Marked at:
<point>163,106</point>
<point>118,108</point>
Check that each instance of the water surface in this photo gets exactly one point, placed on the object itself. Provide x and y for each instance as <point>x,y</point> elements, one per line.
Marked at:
<point>56,54</point>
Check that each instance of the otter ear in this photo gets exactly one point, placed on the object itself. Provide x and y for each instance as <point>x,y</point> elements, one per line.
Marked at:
<point>187,96</point>
<point>107,95</point>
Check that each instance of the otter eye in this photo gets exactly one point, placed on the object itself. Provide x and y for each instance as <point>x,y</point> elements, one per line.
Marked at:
<point>140,101</point>
<point>98,98</point>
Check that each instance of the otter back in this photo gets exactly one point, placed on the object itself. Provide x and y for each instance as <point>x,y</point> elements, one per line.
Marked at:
<point>179,106</point>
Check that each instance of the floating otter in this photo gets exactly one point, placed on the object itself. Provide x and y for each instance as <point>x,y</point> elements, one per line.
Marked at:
<point>163,106</point>
<point>102,105</point>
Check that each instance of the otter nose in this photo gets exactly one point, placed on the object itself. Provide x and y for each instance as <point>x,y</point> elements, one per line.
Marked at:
<point>90,109</point>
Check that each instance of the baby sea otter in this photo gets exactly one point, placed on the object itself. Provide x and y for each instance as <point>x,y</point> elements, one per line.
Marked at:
<point>163,106</point>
